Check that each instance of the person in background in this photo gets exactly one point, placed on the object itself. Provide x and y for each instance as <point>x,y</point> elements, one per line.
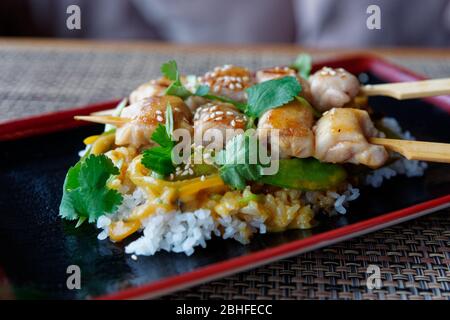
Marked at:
<point>317,23</point>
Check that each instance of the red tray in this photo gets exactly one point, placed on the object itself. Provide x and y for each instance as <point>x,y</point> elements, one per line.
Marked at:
<point>20,130</point>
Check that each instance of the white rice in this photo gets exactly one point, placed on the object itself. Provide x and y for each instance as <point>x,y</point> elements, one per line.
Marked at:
<point>342,200</point>
<point>174,232</point>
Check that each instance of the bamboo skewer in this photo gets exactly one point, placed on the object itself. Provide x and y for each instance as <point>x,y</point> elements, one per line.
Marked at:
<point>409,90</point>
<point>115,121</point>
<point>417,150</point>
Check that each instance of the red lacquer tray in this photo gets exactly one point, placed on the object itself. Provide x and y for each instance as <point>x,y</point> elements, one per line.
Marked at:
<point>51,142</point>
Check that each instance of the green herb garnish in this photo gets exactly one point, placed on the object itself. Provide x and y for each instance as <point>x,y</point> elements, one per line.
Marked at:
<point>303,64</point>
<point>176,88</point>
<point>271,94</point>
<point>85,194</point>
<point>236,165</point>
<point>159,158</point>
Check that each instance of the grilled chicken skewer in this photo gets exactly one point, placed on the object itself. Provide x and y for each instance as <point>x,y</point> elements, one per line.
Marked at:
<point>341,135</point>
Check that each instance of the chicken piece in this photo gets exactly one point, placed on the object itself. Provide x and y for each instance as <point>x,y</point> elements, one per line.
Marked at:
<point>229,81</point>
<point>341,136</point>
<point>153,88</point>
<point>145,116</point>
<point>279,72</point>
<point>294,122</point>
<point>223,117</point>
<point>333,88</point>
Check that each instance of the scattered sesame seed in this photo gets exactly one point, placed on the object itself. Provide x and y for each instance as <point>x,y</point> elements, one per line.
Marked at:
<point>159,119</point>
<point>134,257</point>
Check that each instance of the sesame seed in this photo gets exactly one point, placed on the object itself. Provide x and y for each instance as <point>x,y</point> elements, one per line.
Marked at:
<point>230,113</point>
<point>159,119</point>
<point>218,119</point>
<point>202,178</point>
<point>134,257</point>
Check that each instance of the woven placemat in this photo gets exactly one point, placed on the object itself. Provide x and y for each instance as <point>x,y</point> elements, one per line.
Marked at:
<point>414,262</point>
<point>414,257</point>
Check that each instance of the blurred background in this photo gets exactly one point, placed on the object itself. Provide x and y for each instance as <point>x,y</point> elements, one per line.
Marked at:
<point>313,23</point>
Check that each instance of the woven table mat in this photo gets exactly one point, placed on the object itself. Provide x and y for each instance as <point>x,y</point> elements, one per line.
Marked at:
<point>414,257</point>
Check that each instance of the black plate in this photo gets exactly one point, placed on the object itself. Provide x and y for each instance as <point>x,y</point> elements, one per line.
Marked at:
<point>37,246</point>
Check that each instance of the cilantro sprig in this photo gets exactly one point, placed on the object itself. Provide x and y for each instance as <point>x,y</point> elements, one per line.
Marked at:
<point>176,88</point>
<point>303,64</point>
<point>85,194</point>
<point>159,158</point>
<point>238,162</point>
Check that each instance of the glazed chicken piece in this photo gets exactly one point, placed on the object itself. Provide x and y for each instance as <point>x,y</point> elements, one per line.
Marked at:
<point>153,88</point>
<point>294,122</point>
<point>333,88</point>
<point>229,81</point>
<point>220,116</point>
<point>341,136</point>
<point>279,72</point>
<point>145,116</point>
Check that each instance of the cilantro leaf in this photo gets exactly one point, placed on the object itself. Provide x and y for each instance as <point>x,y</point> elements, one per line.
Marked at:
<point>176,88</point>
<point>303,64</point>
<point>159,158</point>
<point>170,70</point>
<point>85,194</point>
<point>236,162</point>
<point>271,94</point>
